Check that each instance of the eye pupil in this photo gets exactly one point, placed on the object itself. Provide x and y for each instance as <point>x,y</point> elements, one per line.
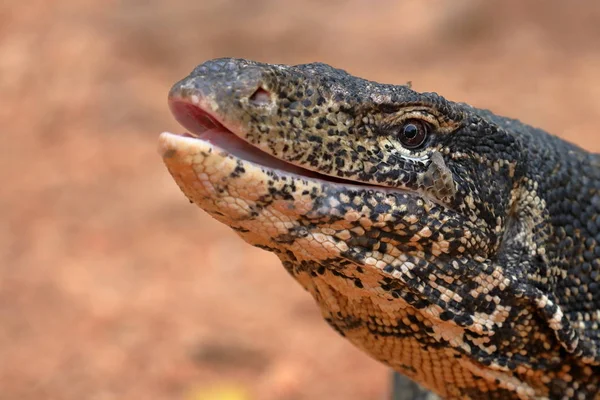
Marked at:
<point>413,134</point>
<point>410,131</point>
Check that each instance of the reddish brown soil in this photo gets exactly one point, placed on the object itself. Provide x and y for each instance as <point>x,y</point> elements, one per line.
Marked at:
<point>111,285</point>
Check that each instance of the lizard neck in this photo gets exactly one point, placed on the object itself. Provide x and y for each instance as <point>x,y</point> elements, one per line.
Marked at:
<point>555,221</point>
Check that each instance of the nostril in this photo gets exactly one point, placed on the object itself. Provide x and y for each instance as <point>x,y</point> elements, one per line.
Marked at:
<point>260,97</point>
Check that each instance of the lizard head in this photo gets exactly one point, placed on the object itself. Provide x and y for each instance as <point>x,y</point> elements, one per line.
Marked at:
<point>329,170</point>
<point>283,128</point>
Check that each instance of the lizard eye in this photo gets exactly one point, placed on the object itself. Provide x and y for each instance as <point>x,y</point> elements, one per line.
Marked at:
<point>413,133</point>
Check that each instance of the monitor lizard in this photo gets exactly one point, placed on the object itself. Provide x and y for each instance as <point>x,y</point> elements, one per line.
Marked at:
<point>458,247</point>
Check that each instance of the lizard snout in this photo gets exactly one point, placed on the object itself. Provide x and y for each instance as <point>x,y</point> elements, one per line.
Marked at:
<point>226,82</point>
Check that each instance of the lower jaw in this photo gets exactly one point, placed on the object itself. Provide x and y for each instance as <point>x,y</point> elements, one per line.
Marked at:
<point>237,192</point>
<point>231,152</point>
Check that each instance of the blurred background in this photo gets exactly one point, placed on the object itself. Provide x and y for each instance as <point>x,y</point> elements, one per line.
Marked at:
<point>112,286</point>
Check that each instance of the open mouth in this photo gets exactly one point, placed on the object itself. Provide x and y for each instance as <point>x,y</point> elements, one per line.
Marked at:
<point>204,126</point>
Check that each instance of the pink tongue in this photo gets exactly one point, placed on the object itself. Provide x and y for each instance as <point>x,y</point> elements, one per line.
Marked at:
<point>237,147</point>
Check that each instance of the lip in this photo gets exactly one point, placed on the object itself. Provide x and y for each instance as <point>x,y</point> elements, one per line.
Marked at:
<point>206,130</point>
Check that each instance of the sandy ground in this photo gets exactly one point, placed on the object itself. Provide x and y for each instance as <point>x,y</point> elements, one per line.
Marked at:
<point>111,285</point>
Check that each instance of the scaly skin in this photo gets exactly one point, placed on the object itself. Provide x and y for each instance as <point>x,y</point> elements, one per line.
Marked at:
<point>470,264</point>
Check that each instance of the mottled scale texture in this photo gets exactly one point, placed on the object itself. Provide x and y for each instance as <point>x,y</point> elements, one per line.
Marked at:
<point>470,264</point>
